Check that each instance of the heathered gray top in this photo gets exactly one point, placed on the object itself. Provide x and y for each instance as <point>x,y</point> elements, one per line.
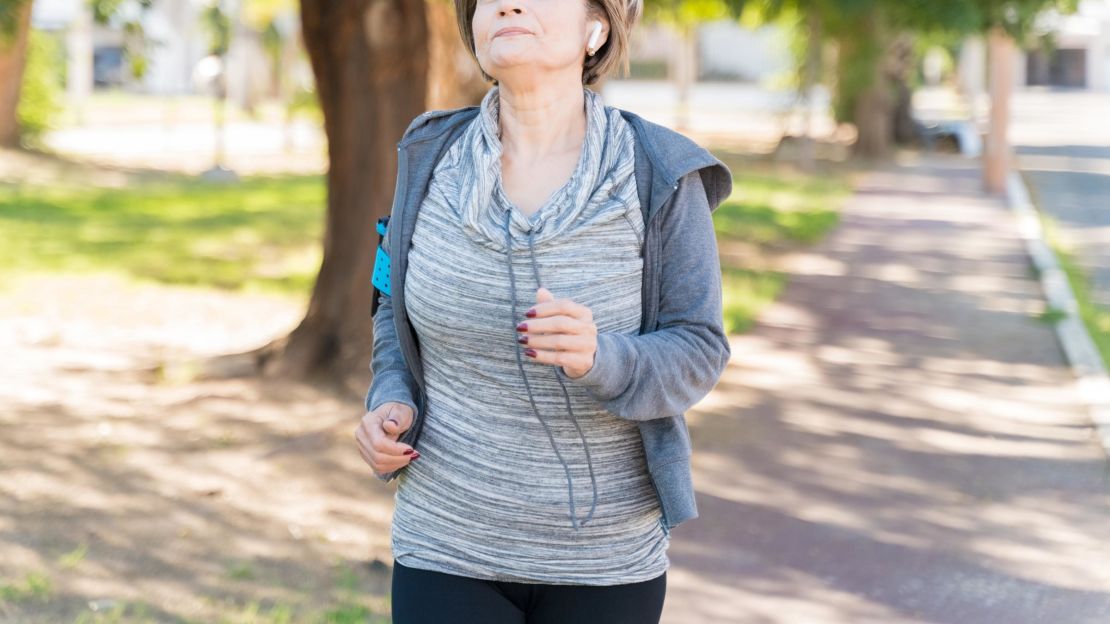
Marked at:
<point>523,477</point>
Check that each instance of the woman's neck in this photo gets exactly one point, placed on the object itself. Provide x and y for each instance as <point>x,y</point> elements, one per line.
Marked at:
<point>542,119</point>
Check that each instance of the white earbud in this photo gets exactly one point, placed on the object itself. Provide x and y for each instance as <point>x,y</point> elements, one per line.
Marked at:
<point>591,47</point>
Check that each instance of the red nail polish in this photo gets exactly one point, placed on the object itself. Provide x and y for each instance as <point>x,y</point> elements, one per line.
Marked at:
<point>408,452</point>
<point>523,339</point>
<point>531,313</point>
<point>522,327</point>
<point>530,352</point>
<point>415,456</point>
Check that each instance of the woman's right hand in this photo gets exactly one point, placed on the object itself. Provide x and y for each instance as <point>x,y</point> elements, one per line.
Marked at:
<point>377,436</point>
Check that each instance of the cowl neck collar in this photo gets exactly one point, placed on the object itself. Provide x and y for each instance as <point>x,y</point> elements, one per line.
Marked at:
<point>482,201</point>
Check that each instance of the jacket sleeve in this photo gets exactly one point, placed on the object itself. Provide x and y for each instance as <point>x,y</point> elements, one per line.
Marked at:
<point>665,372</point>
<point>392,380</point>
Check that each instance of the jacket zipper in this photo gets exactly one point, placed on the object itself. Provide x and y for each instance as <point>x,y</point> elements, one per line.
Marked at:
<point>398,200</point>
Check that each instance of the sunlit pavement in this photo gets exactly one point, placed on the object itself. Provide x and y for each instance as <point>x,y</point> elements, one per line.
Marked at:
<point>1063,147</point>
<point>898,439</point>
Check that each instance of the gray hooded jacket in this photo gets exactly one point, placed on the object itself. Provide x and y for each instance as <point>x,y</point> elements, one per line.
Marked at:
<point>651,378</point>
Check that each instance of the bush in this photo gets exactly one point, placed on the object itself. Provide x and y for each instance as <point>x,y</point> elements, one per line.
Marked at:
<point>40,101</point>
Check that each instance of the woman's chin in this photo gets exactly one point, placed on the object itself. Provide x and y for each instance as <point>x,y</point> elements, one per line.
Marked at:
<point>510,70</point>
<point>513,58</point>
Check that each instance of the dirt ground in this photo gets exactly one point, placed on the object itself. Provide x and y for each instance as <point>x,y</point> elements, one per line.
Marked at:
<point>122,484</point>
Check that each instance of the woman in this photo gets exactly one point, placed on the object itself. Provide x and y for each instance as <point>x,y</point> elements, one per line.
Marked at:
<point>539,479</point>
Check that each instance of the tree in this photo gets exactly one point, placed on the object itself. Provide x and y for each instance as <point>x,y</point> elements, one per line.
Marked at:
<point>370,62</point>
<point>807,19</point>
<point>873,39</point>
<point>15,26</point>
<point>1005,25</point>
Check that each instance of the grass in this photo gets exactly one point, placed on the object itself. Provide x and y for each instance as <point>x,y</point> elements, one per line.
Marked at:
<point>772,209</point>
<point>261,234</point>
<point>777,208</point>
<point>1096,318</point>
<point>33,586</point>
<point>746,292</point>
<point>264,234</point>
<point>349,603</point>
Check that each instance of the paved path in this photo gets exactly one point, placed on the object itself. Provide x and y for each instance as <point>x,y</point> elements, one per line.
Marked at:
<point>898,440</point>
<point>1063,145</point>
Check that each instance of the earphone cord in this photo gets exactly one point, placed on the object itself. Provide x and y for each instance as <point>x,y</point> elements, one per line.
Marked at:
<point>528,387</point>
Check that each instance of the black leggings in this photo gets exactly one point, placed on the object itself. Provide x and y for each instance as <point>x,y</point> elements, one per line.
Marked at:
<point>427,597</point>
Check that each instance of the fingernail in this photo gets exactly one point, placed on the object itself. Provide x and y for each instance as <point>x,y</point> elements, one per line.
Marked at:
<point>522,327</point>
<point>523,339</point>
<point>530,313</point>
<point>530,352</point>
<point>408,452</point>
<point>415,455</point>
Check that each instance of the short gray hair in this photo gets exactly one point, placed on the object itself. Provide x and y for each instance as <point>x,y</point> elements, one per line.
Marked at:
<point>614,53</point>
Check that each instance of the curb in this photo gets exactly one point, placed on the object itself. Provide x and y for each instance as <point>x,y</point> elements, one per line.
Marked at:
<point>1092,379</point>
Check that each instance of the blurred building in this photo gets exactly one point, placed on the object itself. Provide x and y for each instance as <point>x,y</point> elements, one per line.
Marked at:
<point>1076,54</point>
<point>1079,52</point>
<point>177,41</point>
<point>725,51</point>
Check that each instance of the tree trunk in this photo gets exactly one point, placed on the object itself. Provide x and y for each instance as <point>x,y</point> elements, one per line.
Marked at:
<point>13,59</point>
<point>370,61</point>
<point>901,63</point>
<point>453,76</point>
<point>996,161</point>
<point>873,122</point>
<point>873,108</point>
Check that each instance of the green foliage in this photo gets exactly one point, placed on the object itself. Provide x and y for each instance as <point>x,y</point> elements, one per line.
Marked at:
<point>104,11</point>
<point>864,32</point>
<point>136,43</point>
<point>1017,17</point>
<point>10,12</point>
<point>688,13</point>
<point>40,99</point>
<point>930,16</point>
<point>217,23</point>
<point>861,48</point>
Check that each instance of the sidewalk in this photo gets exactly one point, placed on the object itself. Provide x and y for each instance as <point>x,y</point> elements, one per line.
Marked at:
<point>899,439</point>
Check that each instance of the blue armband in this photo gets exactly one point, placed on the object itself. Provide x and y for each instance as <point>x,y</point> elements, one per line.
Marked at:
<point>380,278</point>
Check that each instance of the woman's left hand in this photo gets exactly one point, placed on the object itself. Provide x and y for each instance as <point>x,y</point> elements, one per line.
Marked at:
<point>561,332</point>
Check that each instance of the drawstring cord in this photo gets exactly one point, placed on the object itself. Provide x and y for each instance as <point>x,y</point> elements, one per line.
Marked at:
<point>528,387</point>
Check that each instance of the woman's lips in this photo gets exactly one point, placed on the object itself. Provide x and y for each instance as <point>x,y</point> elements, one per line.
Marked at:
<point>511,31</point>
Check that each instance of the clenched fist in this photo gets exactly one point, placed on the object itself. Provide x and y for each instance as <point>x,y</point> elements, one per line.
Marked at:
<point>377,436</point>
